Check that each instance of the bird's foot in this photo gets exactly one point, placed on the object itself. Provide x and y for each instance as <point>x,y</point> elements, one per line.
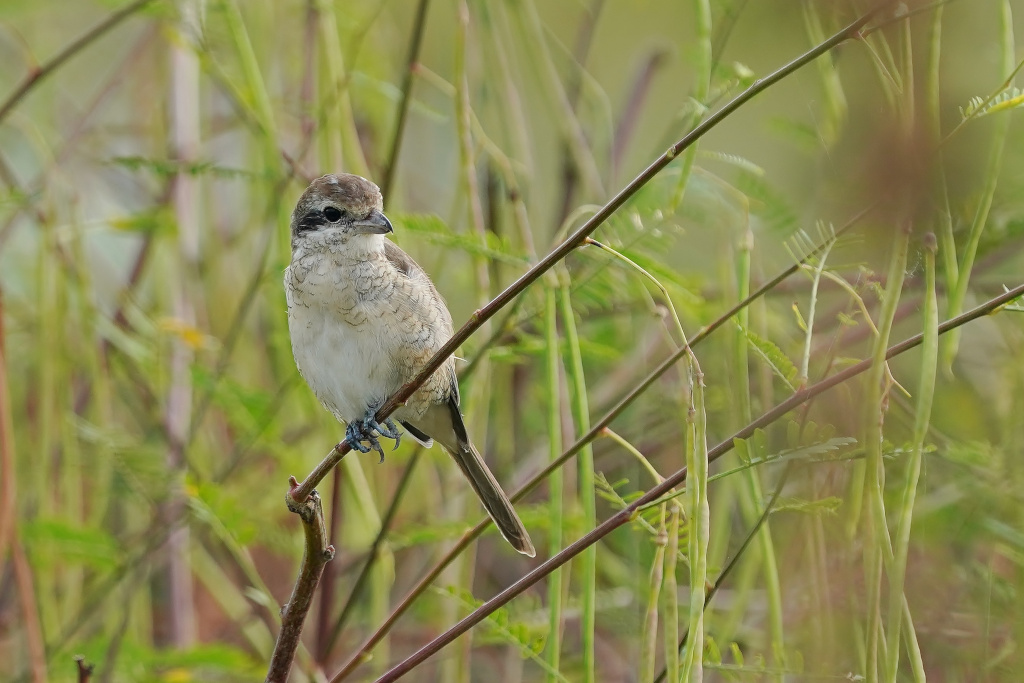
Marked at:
<point>368,429</point>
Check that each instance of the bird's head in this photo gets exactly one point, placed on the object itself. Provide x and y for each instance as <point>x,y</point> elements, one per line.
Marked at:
<point>339,210</point>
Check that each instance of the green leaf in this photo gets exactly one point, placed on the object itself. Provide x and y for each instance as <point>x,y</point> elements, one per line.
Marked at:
<point>733,160</point>
<point>1011,98</point>
<point>771,354</point>
<point>737,655</point>
<point>712,653</point>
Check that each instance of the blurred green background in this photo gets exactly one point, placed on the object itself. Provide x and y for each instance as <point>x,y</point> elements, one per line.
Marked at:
<point>151,412</point>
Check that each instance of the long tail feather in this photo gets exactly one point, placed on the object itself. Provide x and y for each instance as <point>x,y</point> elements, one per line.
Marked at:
<point>494,499</point>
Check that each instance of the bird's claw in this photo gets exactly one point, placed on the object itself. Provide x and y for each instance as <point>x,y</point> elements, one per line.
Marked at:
<point>368,430</point>
<point>388,429</point>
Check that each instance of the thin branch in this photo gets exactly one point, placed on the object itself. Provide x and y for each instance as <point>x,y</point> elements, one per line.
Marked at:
<point>316,555</point>
<point>578,238</point>
<point>36,76</point>
<point>625,515</point>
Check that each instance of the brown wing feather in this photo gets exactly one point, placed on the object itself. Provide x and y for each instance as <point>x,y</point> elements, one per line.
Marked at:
<point>402,261</point>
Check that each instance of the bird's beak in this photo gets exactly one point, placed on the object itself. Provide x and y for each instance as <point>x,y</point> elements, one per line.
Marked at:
<point>375,223</point>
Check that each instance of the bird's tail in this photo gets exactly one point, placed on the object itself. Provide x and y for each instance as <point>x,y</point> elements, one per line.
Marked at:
<point>443,422</point>
<point>493,498</point>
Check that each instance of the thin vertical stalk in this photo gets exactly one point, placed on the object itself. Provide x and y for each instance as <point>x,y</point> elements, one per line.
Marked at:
<point>467,158</point>
<point>883,549</point>
<point>1001,128</point>
<point>575,137</point>
<point>556,482</point>
<point>925,392</point>
<point>879,547</point>
<point>751,476</point>
<point>257,89</point>
<point>587,488</point>
<point>649,635</point>
<point>8,533</point>
<point>344,148</point>
<point>458,669</point>
<point>671,592</point>
<point>698,518</point>
<point>175,624</point>
<point>704,59</point>
<point>932,94</point>
<point>835,106</point>
<point>812,303</point>
<point>910,639</point>
<point>419,24</point>
<point>746,574</point>
<point>511,114</point>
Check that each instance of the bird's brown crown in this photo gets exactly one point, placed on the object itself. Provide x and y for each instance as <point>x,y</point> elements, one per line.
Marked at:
<point>351,192</point>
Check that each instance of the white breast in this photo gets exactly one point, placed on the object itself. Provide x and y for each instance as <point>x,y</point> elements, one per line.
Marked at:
<point>348,366</point>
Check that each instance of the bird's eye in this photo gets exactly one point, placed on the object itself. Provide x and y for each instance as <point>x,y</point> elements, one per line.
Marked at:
<point>332,214</point>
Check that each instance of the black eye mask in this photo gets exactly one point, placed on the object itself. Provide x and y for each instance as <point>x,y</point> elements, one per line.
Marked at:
<point>314,220</point>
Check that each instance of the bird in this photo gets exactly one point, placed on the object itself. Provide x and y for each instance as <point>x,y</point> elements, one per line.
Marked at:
<point>364,319</point>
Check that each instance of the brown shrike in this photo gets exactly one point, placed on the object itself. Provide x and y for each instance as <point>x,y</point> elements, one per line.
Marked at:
<point>364,320</point>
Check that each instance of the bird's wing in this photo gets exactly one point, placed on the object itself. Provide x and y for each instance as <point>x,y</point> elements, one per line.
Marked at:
<point>402,261</point>
<point>423,323</point>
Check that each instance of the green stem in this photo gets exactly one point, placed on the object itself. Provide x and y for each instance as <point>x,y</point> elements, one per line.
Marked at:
<point>419,23</point>
<point>751,476</point>
<point>344,150</point>
<point>671,593</point>
<point>649,637</point>
<point>557,481</point>
<point>588,490</point>
<point>702,47</point>
<point>925,392</point>
<point>698,518</point>
<point>879,547</point>
<point>995,161</point>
